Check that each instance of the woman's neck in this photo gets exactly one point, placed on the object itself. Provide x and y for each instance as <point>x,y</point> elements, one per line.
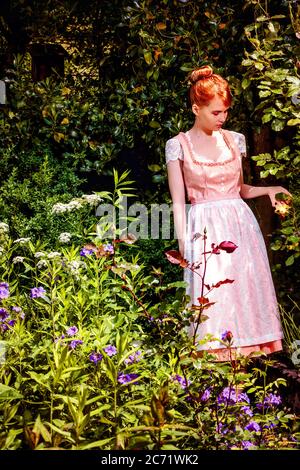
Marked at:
<point>200,132</point>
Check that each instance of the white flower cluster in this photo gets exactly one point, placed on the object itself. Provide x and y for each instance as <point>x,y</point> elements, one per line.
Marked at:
<point>22,241</point>
<point>92,199</point>
<point>77,203</point>
<point>75,266</point>
<point>65,237</point>
<point>39,254</point>
<point>18,259</point>
<point>60,208</point>
<point>4,228</point>
<point>41,264</point>
<point>54,254</point>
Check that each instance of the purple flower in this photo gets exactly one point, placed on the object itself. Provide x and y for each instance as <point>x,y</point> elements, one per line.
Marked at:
<point>221,428</point>
<point>72,331</point>
<point>86,252</point>
<point>95,357</point>
<point>206,394</point>
<point>3,314</point>
<point>270,400</point>
<point>181,380</point>
<point>108,248</point>
<point>16,309</point>
<point>227,336</point>
<point>75,342</point>
<point>229,396</point>
<point>271,425</point>
<point>125,378</point>
<point>11,322</point>
<point>247,410</point>
<point>4,327</point>
<point>37,292</point>
<point>110,350</point>
<point>58,338</point>
<point>253,426</point>
<point>4,290</point>
<point>135,357</point>
<point>247,444</point>
<point>242,396</point>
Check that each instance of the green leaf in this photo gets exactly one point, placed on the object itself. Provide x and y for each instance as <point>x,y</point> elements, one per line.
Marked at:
<point>277,17</point>
<point>42,379</point>
<point>148,57</point>
<point>186,68</point>
<point>9,393</point>
<point>264,174</point>
<point>247,62</point>
<point>92,445</point>
<point>290,260</point>
<point>262,18</point>
<point>264,93</point>
<point>154,167</point>
<point>154,124</point>
<point>271,27</point>
<point>258,65</point>
<point>277,125</point>
<point>245,83</point>
<point>266,118</point>
<point>293,122</point>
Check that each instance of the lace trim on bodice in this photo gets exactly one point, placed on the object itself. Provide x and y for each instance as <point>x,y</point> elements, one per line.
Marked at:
<point>174,150</point>
<point>196,157</point>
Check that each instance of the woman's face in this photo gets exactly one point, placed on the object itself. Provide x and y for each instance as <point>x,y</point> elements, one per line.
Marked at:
<point>211,117</point>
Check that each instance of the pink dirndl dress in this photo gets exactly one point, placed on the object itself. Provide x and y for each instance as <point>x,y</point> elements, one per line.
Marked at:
<point>248,306</point>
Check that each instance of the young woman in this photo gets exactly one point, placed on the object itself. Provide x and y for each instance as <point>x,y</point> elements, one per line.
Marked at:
<point>205,165</point>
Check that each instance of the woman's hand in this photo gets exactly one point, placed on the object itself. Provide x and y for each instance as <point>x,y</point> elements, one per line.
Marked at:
<point>273,190</point>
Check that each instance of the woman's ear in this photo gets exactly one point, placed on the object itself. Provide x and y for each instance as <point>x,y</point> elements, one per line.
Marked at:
<point>195,109</point>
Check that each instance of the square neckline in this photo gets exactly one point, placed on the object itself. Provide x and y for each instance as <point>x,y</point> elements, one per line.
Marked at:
<point>210,162</point>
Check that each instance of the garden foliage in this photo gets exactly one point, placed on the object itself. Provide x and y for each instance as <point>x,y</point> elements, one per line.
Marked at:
<point>96,353</point>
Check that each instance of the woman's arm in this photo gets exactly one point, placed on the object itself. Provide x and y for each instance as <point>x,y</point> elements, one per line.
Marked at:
<point>177,190</point>
<point>248,192</point>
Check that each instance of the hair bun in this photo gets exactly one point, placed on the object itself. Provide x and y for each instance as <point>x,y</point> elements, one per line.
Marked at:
<point>199,74</point>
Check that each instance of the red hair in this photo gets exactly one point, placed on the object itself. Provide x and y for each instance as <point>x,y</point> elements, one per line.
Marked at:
<point>205,85</point>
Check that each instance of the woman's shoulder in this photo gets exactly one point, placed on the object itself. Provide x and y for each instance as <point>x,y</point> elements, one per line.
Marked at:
<point>174,140</point>
<point>236,134</point>
<point>240,141</point>
<point>173,149</point>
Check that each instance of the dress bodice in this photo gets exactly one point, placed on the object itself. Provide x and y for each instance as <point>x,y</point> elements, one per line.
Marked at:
<point>205,179</point>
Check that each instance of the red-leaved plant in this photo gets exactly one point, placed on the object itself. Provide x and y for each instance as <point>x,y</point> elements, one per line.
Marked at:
<point>175,257</point>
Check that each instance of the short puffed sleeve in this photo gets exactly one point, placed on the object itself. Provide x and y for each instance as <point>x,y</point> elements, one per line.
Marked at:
<point>173,150</point>
<point>240,142</point>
